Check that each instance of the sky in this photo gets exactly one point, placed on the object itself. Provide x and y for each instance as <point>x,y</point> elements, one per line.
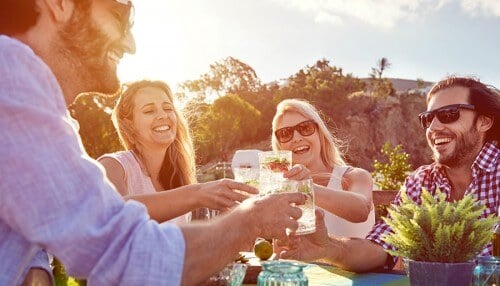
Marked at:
<point>178,40</point>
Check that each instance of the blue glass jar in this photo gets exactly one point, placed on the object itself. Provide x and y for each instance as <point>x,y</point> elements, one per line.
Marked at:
<point>487,271</point>
<point>282,273</point>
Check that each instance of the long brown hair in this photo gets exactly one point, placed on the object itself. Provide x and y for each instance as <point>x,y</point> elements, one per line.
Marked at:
<point>178,167</point>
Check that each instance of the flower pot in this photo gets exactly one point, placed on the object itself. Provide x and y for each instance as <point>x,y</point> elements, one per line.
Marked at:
<point>438,273</point>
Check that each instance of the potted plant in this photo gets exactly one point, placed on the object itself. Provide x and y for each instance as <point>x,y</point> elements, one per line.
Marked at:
<point>440,239</point>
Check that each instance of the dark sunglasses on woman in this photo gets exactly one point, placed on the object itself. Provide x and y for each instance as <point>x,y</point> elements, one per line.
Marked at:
<point>305,128</point>
<point>446,114</point>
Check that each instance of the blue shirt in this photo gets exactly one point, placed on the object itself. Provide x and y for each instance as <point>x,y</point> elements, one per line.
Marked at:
<point>53,196</point>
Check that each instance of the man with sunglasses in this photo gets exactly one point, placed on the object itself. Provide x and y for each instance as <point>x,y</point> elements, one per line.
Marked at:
<point>462,127</point>
<point>55,197</point>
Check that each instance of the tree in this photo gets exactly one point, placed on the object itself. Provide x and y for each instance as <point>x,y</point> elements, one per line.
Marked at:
<point>226,124</point>
<point>381,86</point>
<point>227,76</point>
<point>321,84</point>
<point>391,175</point>
<point>420,83</point>
<point>382,65</point>
<point>93,112</point>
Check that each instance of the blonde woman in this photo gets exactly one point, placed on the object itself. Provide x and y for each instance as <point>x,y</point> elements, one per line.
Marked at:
<point>159,156</point>
<point>342,191</point>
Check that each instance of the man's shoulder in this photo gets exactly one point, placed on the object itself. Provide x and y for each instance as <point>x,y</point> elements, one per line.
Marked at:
<point>14,50</point>
<point>25,78</point>
<point>423,176</point>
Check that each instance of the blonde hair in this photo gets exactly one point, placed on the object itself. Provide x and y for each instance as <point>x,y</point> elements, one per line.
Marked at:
<point>178,167</point>
<point>330,153</point>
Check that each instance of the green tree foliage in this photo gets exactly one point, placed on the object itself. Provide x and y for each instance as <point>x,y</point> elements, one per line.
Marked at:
<point>381,86</point>
<point>93,112</point>
<point>437,230</point>
<point>227,76</point>
<point>391,175</point>
<point>226,124</point>
<point>383,64</point>
<point>322,84</point>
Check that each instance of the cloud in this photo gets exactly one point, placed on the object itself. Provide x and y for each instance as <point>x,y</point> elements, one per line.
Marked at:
<point>485,7</point>
<point>323,17</point>
<point>383,13</point>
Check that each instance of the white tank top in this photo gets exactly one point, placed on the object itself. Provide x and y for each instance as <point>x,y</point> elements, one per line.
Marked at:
<point>339,226</point>
<point>137,182</point>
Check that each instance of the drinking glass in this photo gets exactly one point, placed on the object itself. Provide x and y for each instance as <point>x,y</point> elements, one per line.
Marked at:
<point>272,166</point>
<point>232,275</point>
<point>282,273</point>
<point>307,222</point>
<point>487,271</point>
<point>249,176</point>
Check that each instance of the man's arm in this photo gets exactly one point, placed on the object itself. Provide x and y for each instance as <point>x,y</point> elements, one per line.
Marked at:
<point>55,197</point>
<point>209,247</point>
<point>352,254</point>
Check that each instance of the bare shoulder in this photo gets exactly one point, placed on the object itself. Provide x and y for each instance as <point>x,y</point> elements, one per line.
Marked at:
<point>111,165</point>
<point>115,173</point>
<point>355,177</point>
<point>355,174</point>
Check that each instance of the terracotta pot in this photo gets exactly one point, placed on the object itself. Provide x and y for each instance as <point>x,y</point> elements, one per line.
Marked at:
<point>438,273</point>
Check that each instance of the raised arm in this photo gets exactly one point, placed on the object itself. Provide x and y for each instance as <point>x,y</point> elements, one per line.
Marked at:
<point>354,202</point>
<point>166,205</point>
<point>210,247</point>
<point>352,254</point>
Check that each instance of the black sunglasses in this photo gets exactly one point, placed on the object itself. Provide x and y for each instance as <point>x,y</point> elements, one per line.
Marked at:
<point>305,128</point>
<point>127,15</point>
<point>445,114</point>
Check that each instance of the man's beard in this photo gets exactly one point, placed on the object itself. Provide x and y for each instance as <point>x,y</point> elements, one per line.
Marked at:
<point>83,48</point>
<point>465,148</point>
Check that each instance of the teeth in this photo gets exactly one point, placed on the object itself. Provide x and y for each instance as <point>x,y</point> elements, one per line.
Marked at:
<point>162,128</point>
<point>300,148</point>
<point>114,56</point>
<point>439,141</point>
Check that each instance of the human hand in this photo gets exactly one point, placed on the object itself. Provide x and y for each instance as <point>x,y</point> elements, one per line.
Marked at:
<point>272,215</point>
<point>309,247</point>
<point>297,172</point>
<point>223,194</point>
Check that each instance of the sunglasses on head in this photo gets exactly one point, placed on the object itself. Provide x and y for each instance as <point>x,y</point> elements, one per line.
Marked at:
<point>128,14</point>
<point>445,114</point>
<point>305,128</point>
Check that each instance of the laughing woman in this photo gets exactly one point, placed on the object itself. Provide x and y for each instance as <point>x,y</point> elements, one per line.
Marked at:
<point>158,167</point>
<point>344,192</point>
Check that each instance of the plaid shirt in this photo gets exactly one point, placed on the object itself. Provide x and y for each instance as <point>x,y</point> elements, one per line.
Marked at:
<point>484,187</point>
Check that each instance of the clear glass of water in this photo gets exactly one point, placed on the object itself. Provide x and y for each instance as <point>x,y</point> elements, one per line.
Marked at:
<point>272,166</point>
<point>249,176</point>
<point>307,222</point>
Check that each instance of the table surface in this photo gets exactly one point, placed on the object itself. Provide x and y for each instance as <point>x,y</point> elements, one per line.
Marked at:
<point>319,275</point>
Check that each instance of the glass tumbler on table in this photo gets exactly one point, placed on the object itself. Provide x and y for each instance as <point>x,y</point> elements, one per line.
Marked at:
<point>282,273</point>
<point>487,271</point>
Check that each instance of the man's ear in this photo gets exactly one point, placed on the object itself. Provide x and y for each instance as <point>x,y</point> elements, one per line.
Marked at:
<point>484,123</point>
<point>60,10</point>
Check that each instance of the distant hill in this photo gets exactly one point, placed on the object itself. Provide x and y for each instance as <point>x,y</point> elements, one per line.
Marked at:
<point>405,85</point>
<point>364,123</point>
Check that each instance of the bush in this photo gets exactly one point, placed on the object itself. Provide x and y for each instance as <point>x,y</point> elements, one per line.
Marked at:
<point>391,175</point>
